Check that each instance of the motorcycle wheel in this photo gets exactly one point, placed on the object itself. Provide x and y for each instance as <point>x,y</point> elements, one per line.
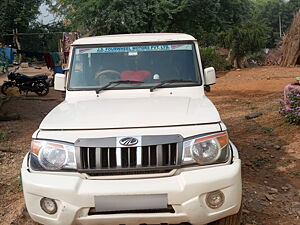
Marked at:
<point>5,87</point>
<point>42,88</point>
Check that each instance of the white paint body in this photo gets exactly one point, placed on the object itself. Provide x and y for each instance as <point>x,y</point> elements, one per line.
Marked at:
<point>135,112</point>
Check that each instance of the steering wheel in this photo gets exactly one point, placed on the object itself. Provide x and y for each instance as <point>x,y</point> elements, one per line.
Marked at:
<point>107,71</point>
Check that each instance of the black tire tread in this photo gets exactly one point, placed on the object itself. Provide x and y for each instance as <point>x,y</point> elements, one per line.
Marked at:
<point>4,87</point>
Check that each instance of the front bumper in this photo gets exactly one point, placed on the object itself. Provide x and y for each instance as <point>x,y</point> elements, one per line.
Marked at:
<point>186,192</point>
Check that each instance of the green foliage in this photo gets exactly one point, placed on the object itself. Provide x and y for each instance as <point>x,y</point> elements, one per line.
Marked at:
<point>245,26</point>
<point>291,112</point>
<point>119,16</point>
<point>256,58</point>
<point>43,42</point>
<point>295,173</point>
<point>17,14</point>
<point>266,130</point>
<point>250,37</point>
<point>203,19</point>
<point>3,136</point>
<point>210,57</point>
<point>207,20</point>
<point>269,12</point>
<point>260,161</point>
<point>259,145</point>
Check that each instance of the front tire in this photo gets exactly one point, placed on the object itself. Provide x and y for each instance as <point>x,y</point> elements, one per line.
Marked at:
<point>230,220</point>
<point>5,87</point>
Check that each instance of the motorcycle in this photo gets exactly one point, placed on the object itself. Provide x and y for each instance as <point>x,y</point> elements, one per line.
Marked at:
<point>24,83</point>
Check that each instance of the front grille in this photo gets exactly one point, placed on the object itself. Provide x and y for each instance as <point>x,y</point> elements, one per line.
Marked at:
<point>132,157</point>
<point>95,159</point>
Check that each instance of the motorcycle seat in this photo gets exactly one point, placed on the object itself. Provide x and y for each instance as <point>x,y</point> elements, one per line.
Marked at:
<point>40,77</point>
<point>35,77</point>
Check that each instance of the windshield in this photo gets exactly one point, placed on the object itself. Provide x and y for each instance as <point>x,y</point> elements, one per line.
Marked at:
<point>95,67</point>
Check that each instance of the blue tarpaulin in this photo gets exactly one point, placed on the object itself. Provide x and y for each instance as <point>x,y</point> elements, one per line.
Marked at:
<point>6,54</point>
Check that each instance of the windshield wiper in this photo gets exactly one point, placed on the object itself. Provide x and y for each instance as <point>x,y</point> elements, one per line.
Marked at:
<point>117,82</point>
<point>169,82</point>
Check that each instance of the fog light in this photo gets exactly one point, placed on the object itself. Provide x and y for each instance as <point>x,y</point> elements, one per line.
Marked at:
<point>215,199</point>
<point>48,205</point>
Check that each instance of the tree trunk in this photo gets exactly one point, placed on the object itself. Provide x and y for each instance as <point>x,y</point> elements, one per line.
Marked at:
<point>17,42</point>
<point>238,62</point>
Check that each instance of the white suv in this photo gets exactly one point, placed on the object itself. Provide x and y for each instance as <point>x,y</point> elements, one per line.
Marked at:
<point>136,140</point>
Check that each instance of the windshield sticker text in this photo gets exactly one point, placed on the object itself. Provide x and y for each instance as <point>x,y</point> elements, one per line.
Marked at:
<point>135,49</point>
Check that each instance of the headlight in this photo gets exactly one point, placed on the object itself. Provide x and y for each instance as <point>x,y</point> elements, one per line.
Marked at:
<point>54,155</point>
<point>206,150</point>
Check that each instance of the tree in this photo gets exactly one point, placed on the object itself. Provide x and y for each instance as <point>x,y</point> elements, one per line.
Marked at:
<point>47,40</point>
<point>16,15</point>
<point>250,37</point>
<point>119,16</point>
<point>205,19</point>
<point>276,14</point>
<point>201,18</point>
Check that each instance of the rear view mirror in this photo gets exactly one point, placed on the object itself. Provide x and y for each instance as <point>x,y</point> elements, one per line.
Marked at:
<point>209,76</point>
<point>60,82</point>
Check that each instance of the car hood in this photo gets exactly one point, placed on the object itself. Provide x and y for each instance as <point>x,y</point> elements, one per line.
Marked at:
<point>159,111</point>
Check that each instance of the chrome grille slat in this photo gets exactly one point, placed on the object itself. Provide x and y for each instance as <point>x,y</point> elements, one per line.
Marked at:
<point>118,155</point>
<point>159,155</point>
<point>108,158</point>
<point>128,157</point>
<point>177,155</point>
<point>98,158</point>
<point>149,156</point>
<point>139,156</point>
<point>169,153</point>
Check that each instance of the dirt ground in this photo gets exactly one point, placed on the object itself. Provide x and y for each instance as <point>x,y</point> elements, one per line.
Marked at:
<point>269,148</point>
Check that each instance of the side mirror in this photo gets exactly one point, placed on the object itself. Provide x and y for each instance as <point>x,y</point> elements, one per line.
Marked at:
<point>209,76</point>
<point>60,82</point>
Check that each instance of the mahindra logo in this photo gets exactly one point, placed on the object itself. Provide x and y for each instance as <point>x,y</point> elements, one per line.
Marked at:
<point>128,141</point>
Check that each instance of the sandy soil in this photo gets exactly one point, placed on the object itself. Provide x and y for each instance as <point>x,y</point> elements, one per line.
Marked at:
<point>269,147</point>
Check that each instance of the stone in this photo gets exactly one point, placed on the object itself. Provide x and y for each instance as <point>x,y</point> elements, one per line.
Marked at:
<point>277,147</point>
<point>272,191</point>
<point>265,204</point>
<point>284,188</point>
<point>245,211</point>
<point>24,65</point>
<point>253,115</point>
<point>269,197</point>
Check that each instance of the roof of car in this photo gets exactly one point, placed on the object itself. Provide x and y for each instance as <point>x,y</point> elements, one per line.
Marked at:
<point>134,38</point>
